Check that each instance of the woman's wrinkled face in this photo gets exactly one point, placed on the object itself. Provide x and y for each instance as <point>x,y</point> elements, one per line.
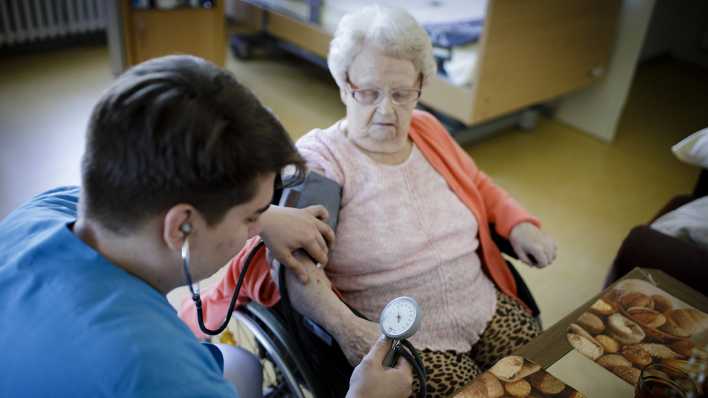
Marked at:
<point>381,127</point>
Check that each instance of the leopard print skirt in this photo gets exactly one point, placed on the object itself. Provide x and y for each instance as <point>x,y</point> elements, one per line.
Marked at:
<point>510,328</point>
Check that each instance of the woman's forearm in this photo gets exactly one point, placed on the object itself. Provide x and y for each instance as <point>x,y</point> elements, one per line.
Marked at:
<point>355,336</point>
<point>317,301</point>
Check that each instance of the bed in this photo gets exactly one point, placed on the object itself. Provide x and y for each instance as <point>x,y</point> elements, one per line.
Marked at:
<point>496,57</point>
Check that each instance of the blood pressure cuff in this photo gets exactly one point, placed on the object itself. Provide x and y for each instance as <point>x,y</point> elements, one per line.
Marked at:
<point>316,189</point>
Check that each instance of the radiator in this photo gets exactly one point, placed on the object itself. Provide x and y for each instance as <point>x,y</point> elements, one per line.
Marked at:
<point>27,21</point>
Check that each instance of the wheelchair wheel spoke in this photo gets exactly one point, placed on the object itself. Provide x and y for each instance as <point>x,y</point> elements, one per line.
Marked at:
<point>283,375</point>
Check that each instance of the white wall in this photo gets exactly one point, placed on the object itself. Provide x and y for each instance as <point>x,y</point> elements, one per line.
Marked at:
<point>597,110</point>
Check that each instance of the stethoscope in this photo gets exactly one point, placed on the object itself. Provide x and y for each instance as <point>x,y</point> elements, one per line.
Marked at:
<point>186,229</point>
<point>399,319</point>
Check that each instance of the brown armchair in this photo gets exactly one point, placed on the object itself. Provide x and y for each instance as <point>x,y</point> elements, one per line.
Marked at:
<point>647,247</point>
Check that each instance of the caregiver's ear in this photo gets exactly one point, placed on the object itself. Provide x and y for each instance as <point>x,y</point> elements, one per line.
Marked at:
<point>177,224</point>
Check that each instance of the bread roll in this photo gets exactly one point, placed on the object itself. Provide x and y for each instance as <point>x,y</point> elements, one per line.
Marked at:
<point>659,351</point>
<point>672,327</point>
<point>636,355</point>
<point>661,303</point>
<point>658,335</point>
<point>529,368</point>
<point>627,373</point>
<point>577,329</point>
<point>683,347</point>
<point>591,322</point>
<point>493,387</point>
<point>611,360</point>
<point>507,368</point>
<point>613,296</point>
<point>700,318</point>
<point>588,347</point>
<point>685,322</point>
<point>678,363</point>
<point>546,383</point>
<point>636,299</point>
<point>602,307</point>
<point>519,388</point>
<point>609,345</point>
<point>624,330</point>
<point>647,317</point>
<point>472,390</point>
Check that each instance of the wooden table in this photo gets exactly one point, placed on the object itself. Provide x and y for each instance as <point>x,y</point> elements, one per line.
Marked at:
<point>551,345</point>
<point>552,351</point>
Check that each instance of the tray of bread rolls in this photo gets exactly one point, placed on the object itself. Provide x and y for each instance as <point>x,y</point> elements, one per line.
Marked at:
<point>515,376</point>
<point>635,324</point>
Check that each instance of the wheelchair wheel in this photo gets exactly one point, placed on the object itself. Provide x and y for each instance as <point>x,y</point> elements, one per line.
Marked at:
<point>282,375</point>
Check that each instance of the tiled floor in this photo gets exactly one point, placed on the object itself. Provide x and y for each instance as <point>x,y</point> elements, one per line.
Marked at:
<point>588,193</point>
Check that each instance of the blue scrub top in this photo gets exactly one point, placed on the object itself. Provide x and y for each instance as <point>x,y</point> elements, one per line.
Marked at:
<point>75,325</point>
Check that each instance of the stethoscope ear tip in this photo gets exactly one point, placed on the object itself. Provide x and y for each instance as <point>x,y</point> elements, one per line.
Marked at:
<point>186,228</point>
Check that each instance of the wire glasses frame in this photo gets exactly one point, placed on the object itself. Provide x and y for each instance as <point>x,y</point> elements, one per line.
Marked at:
<point>374,96</point>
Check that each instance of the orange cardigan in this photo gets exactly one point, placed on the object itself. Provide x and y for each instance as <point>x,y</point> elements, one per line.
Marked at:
<point>488,203</point>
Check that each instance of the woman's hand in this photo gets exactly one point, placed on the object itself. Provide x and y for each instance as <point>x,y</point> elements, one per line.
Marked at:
<point>531,245</point>
<point>287,229</point>
<point>316,300</point>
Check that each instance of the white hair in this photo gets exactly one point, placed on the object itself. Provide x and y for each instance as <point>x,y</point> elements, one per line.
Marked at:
<point>392,30</point>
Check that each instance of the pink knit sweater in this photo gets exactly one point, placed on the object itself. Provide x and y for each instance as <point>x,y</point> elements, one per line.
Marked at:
<point>402,231</point>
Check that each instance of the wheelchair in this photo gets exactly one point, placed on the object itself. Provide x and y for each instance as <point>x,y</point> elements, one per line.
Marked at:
<point>300,358</point>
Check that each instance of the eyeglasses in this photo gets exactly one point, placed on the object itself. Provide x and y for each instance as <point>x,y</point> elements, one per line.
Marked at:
<point>374,96</point>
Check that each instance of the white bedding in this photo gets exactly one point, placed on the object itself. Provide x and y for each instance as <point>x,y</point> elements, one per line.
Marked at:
<point>693,149</point>
<point>460,68</point>
<point>689,222</point>
<point>425,11</point>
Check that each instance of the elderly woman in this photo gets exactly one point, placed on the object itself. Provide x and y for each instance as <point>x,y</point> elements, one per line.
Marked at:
<point>415,214</point>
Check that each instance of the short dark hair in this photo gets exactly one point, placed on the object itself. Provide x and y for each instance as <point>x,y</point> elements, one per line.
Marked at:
<point>178,129</point>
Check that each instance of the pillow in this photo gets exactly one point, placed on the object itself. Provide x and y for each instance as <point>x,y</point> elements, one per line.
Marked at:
<point>689,222</point>
<point>693,149</point>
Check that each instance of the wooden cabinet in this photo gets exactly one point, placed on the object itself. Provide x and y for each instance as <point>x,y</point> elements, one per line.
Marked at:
<point>150,33</point>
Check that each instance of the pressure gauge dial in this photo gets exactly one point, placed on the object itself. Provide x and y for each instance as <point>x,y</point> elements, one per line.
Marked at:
<point>400,318</point>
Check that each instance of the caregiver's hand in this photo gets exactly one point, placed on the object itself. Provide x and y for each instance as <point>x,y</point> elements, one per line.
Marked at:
<point>530,243</point>
<point>372,379</point>
<point>287,229</point>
